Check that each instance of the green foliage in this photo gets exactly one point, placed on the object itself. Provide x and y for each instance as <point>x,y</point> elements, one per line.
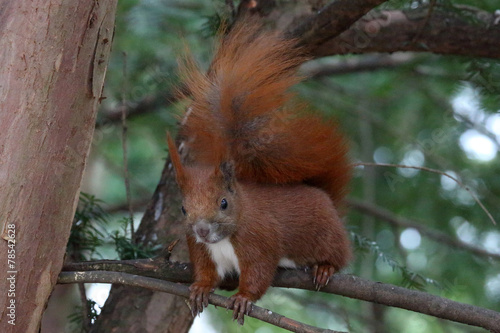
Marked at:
<point>89,233</point>
<point>126,248</point>
<point>88,230</point>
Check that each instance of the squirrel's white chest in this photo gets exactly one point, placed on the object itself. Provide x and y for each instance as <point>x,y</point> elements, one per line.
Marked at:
<point>224,257</point>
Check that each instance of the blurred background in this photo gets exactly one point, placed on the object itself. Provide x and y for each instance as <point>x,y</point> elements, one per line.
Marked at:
<point>410,227</point>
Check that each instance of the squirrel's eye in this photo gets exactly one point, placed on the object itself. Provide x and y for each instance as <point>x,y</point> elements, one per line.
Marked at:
<point>183,210</point>
<point>223,204</point>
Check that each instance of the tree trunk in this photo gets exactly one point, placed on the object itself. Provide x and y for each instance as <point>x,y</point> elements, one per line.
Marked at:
<point>140,310</point>
<point>54,56</point>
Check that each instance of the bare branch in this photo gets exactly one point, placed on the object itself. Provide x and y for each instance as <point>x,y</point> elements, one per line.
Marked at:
<point>155,268</point>
<point>371,62</point>
<point>413,300</point>
<point>401,222</point>
<point>143,106</point>
<point>340,284</point>
<point>331,21</point>
<point>442,32</point>
<point>182,290</point>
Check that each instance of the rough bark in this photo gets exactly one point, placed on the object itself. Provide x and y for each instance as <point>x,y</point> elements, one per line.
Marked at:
<point>54,56</point>
<point>329,30</point>
<point>331,20</point>
<point>419,30</point>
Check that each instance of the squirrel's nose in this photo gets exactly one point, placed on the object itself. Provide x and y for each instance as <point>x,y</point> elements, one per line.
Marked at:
<point>201,230</point>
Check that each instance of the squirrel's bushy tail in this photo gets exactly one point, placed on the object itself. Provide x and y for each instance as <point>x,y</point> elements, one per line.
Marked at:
<point>242,110</point>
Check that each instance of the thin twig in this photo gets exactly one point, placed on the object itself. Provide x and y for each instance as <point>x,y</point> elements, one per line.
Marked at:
<point>439,172</point>
<point>401,222</point>
<point>182,290</point>
<point>432,5</point>
<point>146,104</point>
<point>315,70</point>
<point>124,147</point>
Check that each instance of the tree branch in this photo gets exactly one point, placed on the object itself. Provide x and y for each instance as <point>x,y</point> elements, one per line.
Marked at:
<point>145,105</point>
<point>182,290</point>
<point>340,284</point>
<point>442,32</point>
<point>331,21</point>
<point>370,62</point>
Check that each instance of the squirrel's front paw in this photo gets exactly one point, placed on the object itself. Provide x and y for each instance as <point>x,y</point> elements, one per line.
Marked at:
<point>198,298</point>
<point>322,275</point>
<point>242,305</point>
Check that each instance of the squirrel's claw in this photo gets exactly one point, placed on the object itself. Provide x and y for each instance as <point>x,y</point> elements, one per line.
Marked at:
<point>322,274</point>
<point>198,298</point>
<point>241,306</point>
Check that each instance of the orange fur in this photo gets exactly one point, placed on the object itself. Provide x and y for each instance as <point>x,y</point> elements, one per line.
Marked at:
<point>243,110</point>
<point>266,174</point>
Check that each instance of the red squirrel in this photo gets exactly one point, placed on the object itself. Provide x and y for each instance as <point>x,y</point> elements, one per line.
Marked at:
<point>266,174</point>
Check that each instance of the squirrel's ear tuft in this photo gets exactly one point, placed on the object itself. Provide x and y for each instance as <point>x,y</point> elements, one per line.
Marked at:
<point>180,174</point>
<point>227,170</point>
